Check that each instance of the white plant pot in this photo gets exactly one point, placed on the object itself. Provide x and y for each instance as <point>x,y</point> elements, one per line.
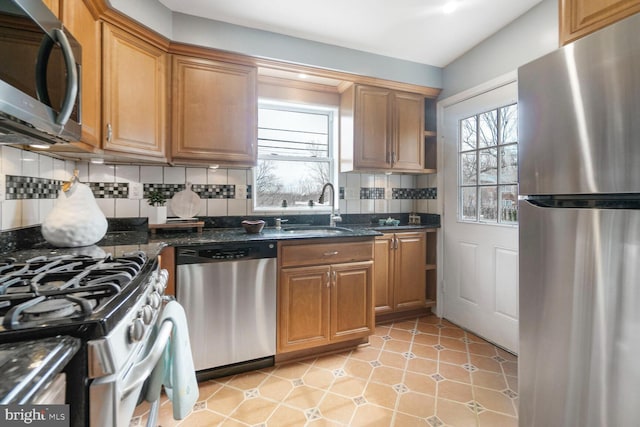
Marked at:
<point>157,214</point>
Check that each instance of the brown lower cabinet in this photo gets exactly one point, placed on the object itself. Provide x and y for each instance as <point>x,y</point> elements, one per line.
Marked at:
<point>402,273</point>
<point>325,303</point>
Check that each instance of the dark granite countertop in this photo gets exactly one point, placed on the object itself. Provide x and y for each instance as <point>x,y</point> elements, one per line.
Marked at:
<point>28,366</point>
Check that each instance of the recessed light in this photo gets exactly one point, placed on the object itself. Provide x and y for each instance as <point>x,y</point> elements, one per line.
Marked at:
<point>450,7</point>
<point>97,161</point>
<point>302,76</point>
<point>214,167</point>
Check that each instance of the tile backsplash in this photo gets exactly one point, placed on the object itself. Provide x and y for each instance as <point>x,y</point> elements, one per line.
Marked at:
<point>32,181</point>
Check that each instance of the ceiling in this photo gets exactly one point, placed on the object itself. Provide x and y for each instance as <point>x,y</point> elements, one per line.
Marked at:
<point>433,32</point>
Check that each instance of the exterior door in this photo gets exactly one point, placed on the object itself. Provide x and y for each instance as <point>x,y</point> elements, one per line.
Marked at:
<point>480,278</point>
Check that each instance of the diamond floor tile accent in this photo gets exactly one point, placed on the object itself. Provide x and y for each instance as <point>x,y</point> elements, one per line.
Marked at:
<point>312,414</point>
<point>415,372</point>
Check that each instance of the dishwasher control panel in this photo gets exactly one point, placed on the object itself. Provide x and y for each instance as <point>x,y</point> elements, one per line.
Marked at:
<point>222,252</point>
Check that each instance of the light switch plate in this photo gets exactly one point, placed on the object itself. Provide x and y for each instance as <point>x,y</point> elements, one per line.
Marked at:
<point>241,191</point>
<point>136,190</point>
<point>3,187</point>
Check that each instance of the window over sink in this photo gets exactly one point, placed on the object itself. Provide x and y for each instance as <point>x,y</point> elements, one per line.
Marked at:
<point>295,156</point>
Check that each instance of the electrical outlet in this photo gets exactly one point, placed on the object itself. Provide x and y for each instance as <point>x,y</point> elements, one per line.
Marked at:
<point>136,190</point>
<point>241,191</point>
<point>3,187</point>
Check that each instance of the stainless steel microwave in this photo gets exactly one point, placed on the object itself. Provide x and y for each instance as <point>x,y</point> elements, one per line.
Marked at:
<point>39,76</point>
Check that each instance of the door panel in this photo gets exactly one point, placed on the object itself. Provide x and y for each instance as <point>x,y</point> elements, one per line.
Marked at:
<point>480,261</point>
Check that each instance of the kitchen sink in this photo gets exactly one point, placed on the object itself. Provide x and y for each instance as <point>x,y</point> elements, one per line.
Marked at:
<point>316,231</point>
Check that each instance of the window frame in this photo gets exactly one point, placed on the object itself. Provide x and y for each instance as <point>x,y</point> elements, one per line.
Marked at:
<point>332,137</point>
<point>478,185</point>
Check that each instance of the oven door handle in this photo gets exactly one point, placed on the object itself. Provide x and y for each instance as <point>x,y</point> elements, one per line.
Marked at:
<point>144,368</point>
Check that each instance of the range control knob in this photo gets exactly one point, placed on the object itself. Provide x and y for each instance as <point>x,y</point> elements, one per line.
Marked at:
<point>154,300</point>
<point>146,314</point>
<point>136,330</point>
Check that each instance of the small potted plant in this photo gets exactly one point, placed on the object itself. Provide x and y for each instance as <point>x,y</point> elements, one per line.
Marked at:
<point>158,210</point>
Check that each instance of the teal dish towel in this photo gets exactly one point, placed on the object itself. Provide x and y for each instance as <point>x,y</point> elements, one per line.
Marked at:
<point>175,369</point>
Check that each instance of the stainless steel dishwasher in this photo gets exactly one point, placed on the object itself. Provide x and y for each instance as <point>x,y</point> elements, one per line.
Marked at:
<point>228,292</point>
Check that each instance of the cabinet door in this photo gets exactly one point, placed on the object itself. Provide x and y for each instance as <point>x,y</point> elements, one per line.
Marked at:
<point>409,270</point>
<point>408,132</point>
<point>372,128</point>
<point>54,6</point>
<point>351,300</point>
<point>86,29</point>
<point>581,17</point>
<point>303,312</point>
<point>214,111</point>
<point>383,275</point>
<point>134,95</point>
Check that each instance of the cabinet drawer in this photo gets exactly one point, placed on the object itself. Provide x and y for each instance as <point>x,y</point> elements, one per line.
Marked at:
<point>325,253</point>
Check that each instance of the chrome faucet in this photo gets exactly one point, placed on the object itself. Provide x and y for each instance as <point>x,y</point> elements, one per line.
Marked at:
<point>334,217</point>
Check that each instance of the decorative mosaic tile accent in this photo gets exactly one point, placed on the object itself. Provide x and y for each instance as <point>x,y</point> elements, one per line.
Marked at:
<point>408,355</point>
<point>135,422</point>
<point>298,382</point>
<point>109,190</point>
<point>437,377</point>
<point>510,393</point>
<point>434,421</point>
<point>204,191</point>
<point>414,193</point>
<point>414,331</point>
<point>251,394</point>
<point>386,338</point>
<point>371,193</point>
<point>199,405</point>
<point>439,326</point>
<point>375,363</point>
<point>339,372</point>
<point>312,414</point>
<point>466,340</point>
<point>438,347</point>
<point>499,359</point>
<point>341,192</point>
<point>475,407</point>
<point>469,367</point>
<point>28,187</point>
<point>401,388</point>
<point>360,400</point>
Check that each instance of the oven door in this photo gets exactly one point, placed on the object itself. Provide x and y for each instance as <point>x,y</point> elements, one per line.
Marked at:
<point>113,398</point>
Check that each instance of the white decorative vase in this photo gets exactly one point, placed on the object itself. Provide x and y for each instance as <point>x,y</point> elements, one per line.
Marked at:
<point>157,214</point>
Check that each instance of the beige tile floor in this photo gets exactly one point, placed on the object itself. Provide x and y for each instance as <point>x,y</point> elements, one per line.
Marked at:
<point>424,372</point>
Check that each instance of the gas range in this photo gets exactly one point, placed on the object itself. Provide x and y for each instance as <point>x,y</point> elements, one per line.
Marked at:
<point>111,303</point>
<point>53,295</point>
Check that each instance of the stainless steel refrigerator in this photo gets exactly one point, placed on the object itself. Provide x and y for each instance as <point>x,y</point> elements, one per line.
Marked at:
<point>579,160</point>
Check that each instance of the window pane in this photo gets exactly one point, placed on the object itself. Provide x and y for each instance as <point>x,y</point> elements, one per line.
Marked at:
<point>469,204</point>
<point>468,134</point>
<point>488,164</point>
<point>488,132</point>
<point>469,167</point>
<point>293,133</point>
<point>488,204</point>
<point>509,164</point>
<point>509,123</point>
<point>509,204</point>
<point>296,182</point>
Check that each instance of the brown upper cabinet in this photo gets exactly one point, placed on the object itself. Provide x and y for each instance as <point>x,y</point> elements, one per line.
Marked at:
<point>214,112</point>
<point>54,6</point>
<point>134,96</point>
<point>381,129</point>
<point>581,17</point>
<point>85,27</point>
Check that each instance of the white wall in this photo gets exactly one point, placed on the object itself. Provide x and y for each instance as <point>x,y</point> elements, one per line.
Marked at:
<point>527,38</point>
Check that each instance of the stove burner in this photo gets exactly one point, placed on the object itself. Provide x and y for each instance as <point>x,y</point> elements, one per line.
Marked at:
<point>63,288</point>
<point>49,309</point>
